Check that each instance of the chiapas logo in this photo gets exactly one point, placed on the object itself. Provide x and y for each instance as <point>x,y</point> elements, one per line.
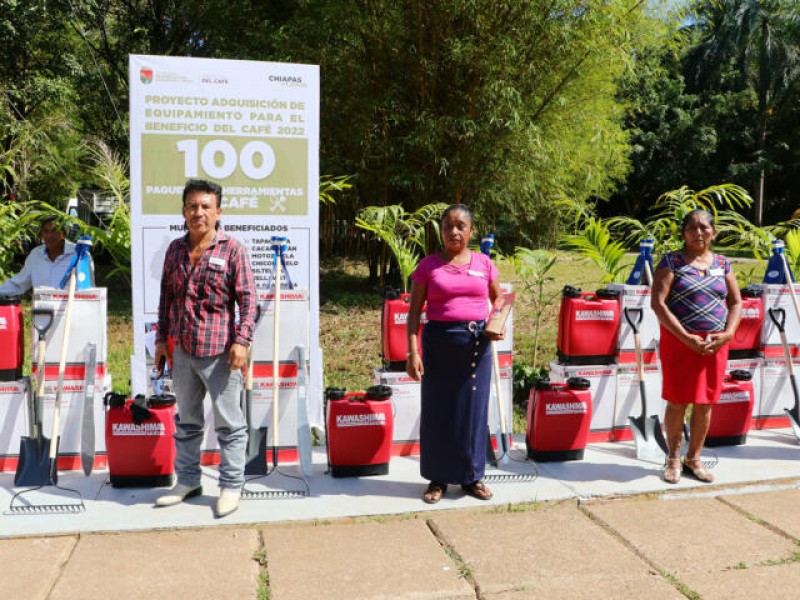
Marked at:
<point>146,75</point>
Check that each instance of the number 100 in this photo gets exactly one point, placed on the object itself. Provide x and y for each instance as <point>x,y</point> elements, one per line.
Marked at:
<point>246,159</point>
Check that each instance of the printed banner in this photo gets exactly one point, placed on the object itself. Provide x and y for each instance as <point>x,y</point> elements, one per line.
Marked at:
<point>252,127</point>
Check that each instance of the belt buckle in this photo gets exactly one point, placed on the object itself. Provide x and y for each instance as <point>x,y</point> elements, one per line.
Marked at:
<point>472,326</point>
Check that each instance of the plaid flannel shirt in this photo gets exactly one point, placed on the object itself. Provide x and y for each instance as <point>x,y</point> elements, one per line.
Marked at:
<point>197,306</point>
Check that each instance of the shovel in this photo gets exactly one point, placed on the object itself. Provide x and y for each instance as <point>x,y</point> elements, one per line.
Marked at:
<point>256,457</point>
<point>778,316</point>
<point>647,433</point>
<point>34,449</point>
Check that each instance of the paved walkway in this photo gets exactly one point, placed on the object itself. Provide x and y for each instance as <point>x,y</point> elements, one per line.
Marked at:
<point>734,539</point>
<point>729,544</point>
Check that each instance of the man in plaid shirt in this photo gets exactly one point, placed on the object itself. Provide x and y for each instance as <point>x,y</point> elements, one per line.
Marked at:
<point>206,274</point>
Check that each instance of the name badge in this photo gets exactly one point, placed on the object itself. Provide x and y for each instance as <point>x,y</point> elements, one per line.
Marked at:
<point>474,273</point>
<point>216,260</point>
<point>716,272</point>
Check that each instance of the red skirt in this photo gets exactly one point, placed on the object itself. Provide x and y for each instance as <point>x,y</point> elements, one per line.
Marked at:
<point>688,377</point>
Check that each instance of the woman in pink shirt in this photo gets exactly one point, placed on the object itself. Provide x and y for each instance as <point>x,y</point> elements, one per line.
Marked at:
<point>456,366</point>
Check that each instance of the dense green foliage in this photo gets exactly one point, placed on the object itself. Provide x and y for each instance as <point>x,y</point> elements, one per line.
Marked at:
<point>718,102</point>
<point>506,106</point>
<point>515,107</point>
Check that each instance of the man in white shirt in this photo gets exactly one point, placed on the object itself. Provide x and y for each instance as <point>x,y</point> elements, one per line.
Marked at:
<point>46,264</point>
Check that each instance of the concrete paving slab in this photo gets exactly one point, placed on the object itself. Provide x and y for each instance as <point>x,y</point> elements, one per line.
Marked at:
<point>367,560</point>
<point>629,589</point>
<point>554,552</point>
<point>607,469</point>
<point>779,508</point>
<point>694,535</point>
<point>31,566</point>
<point>200,564</point>
<point>777,582</point>
<point>768,454</point>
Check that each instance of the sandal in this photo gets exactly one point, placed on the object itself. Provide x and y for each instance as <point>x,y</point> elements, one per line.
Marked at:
<point>672,470</point>
<point>699,472</point>
<point>434,492</point>
<point>478,489</point>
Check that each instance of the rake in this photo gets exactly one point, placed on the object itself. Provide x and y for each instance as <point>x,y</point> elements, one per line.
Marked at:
<point>21,508</point>
<point>508,477</point>
<point>278,247</point>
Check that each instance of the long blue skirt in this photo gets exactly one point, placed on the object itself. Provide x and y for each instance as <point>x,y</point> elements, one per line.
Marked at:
<point>455,401</point>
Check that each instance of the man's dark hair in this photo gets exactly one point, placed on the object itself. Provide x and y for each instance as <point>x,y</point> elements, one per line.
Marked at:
<point>50,219</point>
<point>205,186</point>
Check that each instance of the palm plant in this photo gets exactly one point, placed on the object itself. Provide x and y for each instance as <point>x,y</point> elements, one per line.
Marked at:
<point>403,233</point>
<point>792,250</point>
<point>595,242</point>
<point>330,184</point>
<point>671,207</point>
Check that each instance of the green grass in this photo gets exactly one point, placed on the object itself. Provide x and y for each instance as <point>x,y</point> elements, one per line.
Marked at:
<point>350,319</point>
<point>350,316</point>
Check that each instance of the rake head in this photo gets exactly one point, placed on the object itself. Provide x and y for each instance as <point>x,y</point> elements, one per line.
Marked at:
<point>510,477</point>
<point>15,508</point>
<point>275,493</point>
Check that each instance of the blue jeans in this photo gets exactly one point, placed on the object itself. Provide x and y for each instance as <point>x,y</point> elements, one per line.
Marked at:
<point>192,377</point>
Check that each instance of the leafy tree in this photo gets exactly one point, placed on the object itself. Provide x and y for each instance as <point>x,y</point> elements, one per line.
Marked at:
<point>673,136</point>
<point>760,39</point>
<point>37,100</point>
<point>506,106</point>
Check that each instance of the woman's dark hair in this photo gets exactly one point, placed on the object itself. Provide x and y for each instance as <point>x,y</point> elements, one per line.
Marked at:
<point>698,212</point>
<point>456,208</point>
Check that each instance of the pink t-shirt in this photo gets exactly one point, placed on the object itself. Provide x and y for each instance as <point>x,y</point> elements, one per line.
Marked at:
<point>456,293</point>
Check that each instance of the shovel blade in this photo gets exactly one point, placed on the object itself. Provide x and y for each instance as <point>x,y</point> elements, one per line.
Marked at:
<point>256,457</point>
<point>650,443</point>
<point>505,446</point>
<point>491,459</point>
<point>794,420</point>
<point>33,468</point>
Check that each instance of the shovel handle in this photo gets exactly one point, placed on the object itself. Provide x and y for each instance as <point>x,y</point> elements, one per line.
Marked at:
<point>276,363</point>
<point>647,274</point>
<point>61,367</point>
<point>787,274</point>
<point>41,348</point>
